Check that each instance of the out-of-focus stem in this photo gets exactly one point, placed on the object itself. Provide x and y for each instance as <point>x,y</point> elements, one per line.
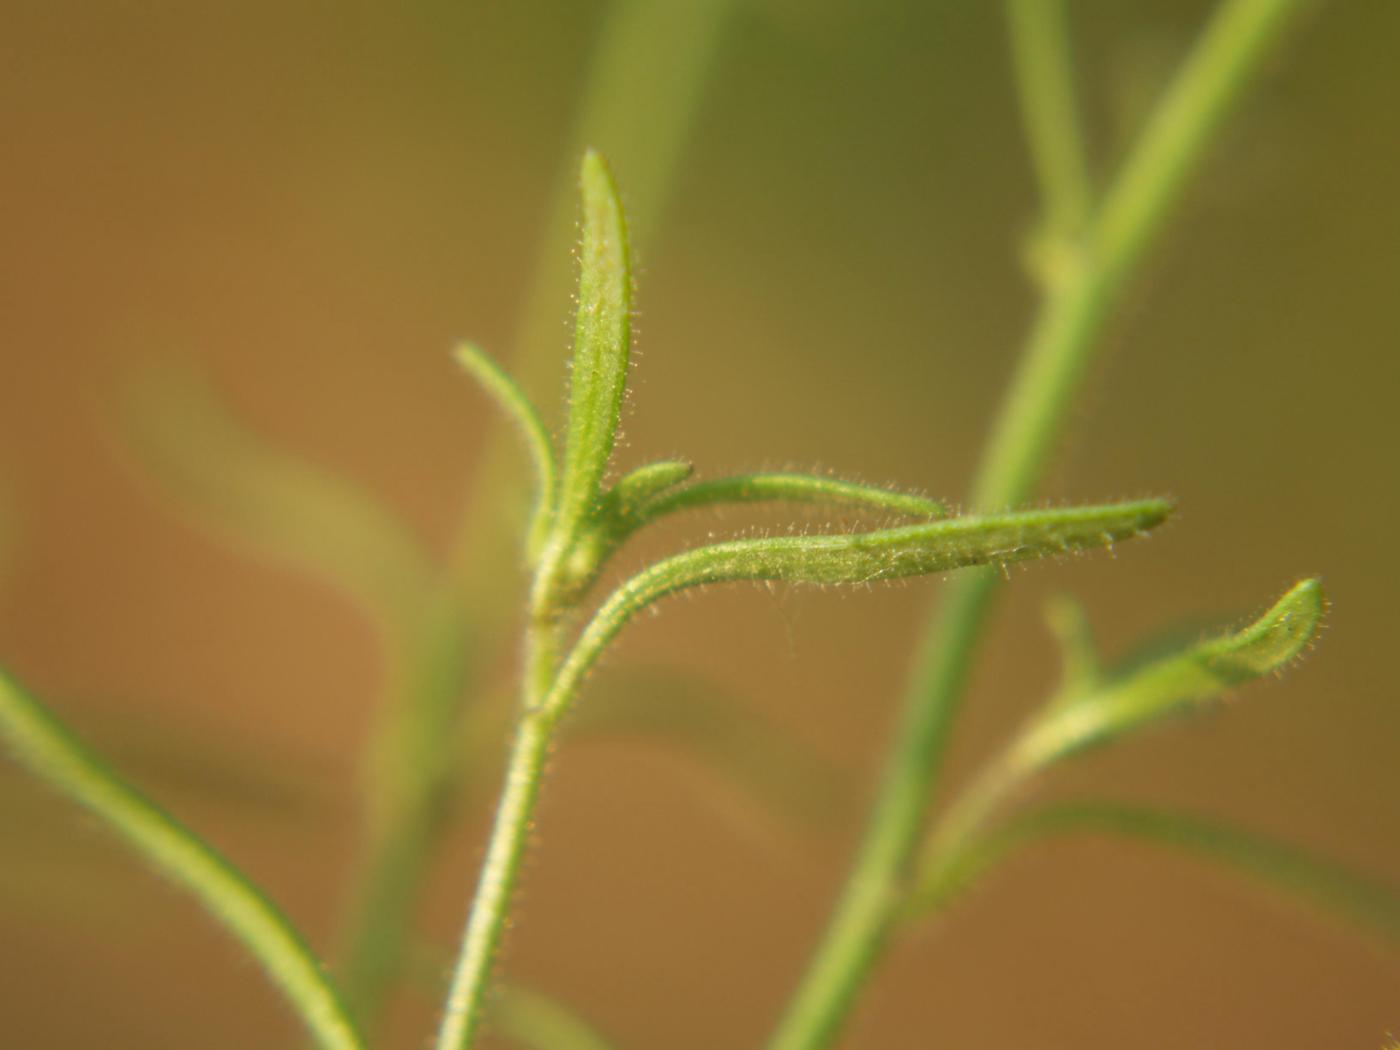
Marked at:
<point>1058,351</point>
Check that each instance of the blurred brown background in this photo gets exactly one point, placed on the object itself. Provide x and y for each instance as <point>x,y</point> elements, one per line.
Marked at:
<point>313,201</point>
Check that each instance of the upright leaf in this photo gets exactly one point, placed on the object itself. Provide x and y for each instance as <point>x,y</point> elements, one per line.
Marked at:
<point>513,402</point>
<point>602,342</point>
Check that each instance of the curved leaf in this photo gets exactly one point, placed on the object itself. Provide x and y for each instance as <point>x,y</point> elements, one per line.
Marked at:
<point>1324,884</point>
<point>39,741</point>
<point>864,557</point>
<point>1178,682</point>
<point>269,501</point>
<point>513,402</point>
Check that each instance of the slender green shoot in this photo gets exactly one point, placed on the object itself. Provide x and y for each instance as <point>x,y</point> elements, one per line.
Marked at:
<point>1110,709</point>
<point>1040,49</point>
<point>573,555</point>
<point>1060,346</point>
<point>1080,670</point>
<point>858,558</point>
<point>39,741</point>
<point>518,408</point>
<point>1177,683</point>
<point>1325,885</point>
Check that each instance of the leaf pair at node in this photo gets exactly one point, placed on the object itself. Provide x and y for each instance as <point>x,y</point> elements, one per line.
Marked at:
<point>579,521</point>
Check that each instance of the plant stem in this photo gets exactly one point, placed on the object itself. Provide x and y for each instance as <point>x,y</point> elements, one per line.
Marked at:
<point>1041,52</point>
<point>669,47</point>
<point>43,744</point>
<point>1059,348</point>
<point>510,832</point>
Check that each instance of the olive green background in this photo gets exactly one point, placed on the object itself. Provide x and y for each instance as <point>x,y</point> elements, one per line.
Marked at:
<point>314,200</point>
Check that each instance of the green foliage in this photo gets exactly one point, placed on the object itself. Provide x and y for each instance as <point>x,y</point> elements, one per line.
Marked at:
<point>39,741</point>
<point>859,558</point>
<point>1092,712</point>
<point>907,866</point>
<point>602,344</point>
<point>1090,709</point>
<point>271,503</point>
<point>517,407</point>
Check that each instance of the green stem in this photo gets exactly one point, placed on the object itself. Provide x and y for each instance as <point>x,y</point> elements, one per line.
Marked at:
<point>43,744</point>
<point>407,787</point>
<point>486,923</point>
<point>1044,75</point>
<point>670,48</point>
<point>1059,349</point>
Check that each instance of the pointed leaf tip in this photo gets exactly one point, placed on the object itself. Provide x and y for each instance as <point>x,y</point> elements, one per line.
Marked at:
<point>1180,681</point>
<point>602,342</point>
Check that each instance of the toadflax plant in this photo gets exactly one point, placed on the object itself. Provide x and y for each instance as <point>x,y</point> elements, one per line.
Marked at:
<point>914,859</point>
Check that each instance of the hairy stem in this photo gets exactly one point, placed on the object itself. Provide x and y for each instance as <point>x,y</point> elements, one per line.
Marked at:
<point>669,47</point>
<point>43,744</point>
<point>510,832</point>
<point>1056,355</point>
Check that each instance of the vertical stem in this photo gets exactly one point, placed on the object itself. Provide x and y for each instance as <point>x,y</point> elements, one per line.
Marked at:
<point>1044,76</point>
<point>509,836</point>
<point>669,47</point>
<point>1059,348</point>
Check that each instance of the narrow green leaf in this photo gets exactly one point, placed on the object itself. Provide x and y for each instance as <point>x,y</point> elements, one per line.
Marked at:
<point>602,342</point>
<point>536,1021</point>
<point>1079,658</point>
<point>1314,880</point>
<point>859,558</point>
<point>1178,682</point>
<point>791,488</point>
<point>513,402</point>
<point>637,488</point>
<point>651,492</point>
<point>39,741</point>
<point>270,502</point>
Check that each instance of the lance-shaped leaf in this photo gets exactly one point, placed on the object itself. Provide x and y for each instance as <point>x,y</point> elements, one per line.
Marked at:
<point>602,342</point>
<point>864,557</point>
<point>791,488</point>
<point>655,490</point>
<point>513,402</point>
<point>254,495</point>
<point>1178,682</point>
<point>1089,709</point>
<point>1316,881</point>
<point>40,742</point>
